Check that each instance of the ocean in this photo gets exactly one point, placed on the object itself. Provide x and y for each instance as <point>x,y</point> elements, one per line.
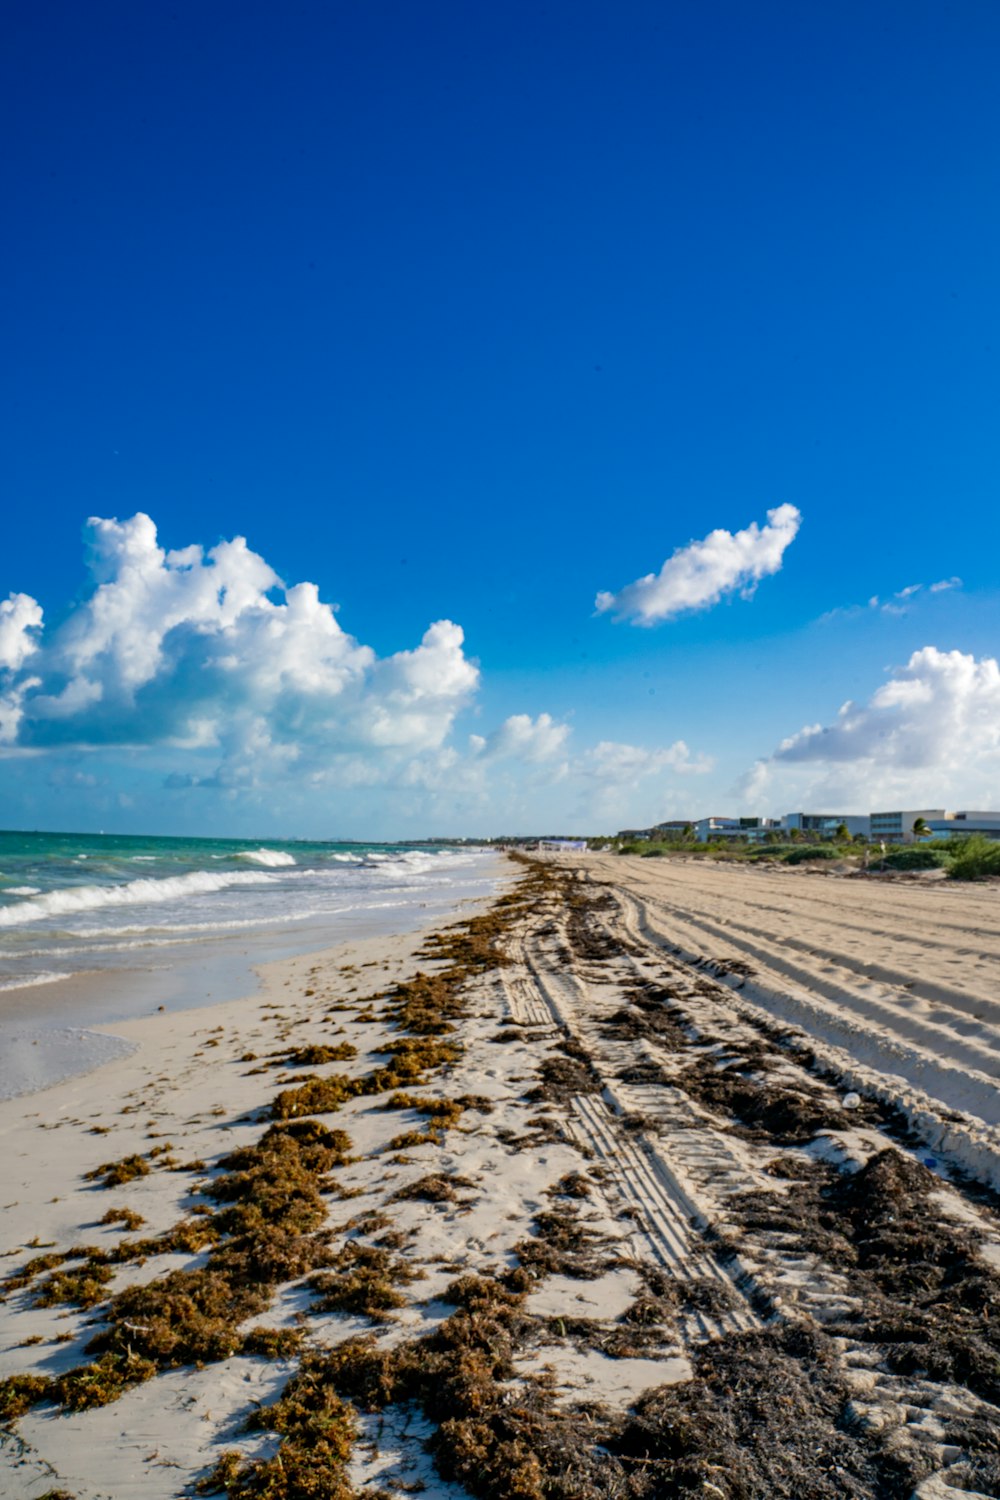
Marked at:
<point>180,921</point>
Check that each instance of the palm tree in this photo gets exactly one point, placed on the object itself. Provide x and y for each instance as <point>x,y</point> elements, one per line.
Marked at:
<point>920,828</point>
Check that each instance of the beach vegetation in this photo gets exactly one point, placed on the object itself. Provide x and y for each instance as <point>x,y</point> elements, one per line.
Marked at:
<point>975,858</point>
<point>916,857</point>
<point>807,852</point>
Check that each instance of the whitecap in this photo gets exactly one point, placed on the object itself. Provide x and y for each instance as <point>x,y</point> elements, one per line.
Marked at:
<point>274,858</point>
<point>68,900</point>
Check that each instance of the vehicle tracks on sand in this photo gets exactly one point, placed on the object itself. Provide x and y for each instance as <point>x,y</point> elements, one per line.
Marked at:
<point>685,1171</point>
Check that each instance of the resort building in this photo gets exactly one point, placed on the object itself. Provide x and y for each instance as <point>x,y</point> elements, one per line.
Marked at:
<point>752,829</point>
<point>825,825</point>
<point>716,828</point>
<point>958,824</point>
<point>897,827</point>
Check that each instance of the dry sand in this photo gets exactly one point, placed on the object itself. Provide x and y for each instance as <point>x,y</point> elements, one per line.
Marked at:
<point>704,1269</point>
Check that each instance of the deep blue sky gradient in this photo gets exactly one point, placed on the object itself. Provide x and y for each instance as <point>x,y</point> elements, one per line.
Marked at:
<point>472,311</point>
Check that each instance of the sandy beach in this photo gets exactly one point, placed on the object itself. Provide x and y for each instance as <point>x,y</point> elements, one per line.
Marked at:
<point>649,1178</point>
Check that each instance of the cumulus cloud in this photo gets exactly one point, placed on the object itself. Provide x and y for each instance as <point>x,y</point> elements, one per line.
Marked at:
<point>201,675</point>
<point>524,738</point>
<point>931,731</point>
<point>210,650</point>
<point>703,572</point>
<point>20,619</point>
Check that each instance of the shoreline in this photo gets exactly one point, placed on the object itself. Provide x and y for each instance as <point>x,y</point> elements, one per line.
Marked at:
<point>75,1010</point>
<point>537,1188</point>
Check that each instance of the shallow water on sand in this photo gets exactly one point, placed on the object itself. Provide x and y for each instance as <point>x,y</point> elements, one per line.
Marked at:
<point>97,929</point>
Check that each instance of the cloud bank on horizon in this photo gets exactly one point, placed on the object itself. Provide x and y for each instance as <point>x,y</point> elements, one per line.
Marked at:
<point>208,670</point>
<point>932,731</point>
<point>704,572</point>
<point>243,684</point>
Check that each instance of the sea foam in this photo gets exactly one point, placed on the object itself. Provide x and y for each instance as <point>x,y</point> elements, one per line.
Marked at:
<point>68,900</point>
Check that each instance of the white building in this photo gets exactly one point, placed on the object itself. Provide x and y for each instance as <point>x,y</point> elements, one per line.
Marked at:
<point>957,824</point>
<point>752,829</point>
<point>716,828</point>
<point>825,825</point>
<point>897,827</point>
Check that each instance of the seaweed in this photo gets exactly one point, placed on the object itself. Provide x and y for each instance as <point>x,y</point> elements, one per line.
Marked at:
<point>315,1054</point>
<point>318,1430</point>
<point>433,1188</point>
<point>362,1280</point>
<point>562,1077</point>
<point>114,1173</point>
<point>762,1417</point>
<point>127,1217</point>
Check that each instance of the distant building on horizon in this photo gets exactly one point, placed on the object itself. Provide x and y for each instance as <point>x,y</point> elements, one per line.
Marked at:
<point>897,827</point>
<point>961,824</point>
<point>881,827</point>
<point>752,829</point>
<point>825,825</point>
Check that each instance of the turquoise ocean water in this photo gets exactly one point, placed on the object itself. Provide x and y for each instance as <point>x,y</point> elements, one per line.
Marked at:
<point>79,901</point>
<point>95,929</point>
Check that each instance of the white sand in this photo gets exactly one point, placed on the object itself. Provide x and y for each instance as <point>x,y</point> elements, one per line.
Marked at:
<point>897,983</point>
<point>814,945</point>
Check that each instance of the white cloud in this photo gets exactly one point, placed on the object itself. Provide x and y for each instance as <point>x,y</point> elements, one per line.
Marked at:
<point>20,618</point>
<point>897,604</point>
<point>621,784</point>
<point>700,574</point>
<point>612,761</point>
<point>202,675</point>
<point>524,738</point>
<point>931,733</point>
<point>192,649</point>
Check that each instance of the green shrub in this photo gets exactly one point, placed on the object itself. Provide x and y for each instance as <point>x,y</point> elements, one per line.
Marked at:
<point>916,858</point>
<point>802,852</point>
<point>975,857</point>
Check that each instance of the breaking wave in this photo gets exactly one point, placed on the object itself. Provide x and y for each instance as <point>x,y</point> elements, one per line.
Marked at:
<point>67,900</point>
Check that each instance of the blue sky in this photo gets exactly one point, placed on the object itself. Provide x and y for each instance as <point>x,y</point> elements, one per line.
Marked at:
<point>469,314</point>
